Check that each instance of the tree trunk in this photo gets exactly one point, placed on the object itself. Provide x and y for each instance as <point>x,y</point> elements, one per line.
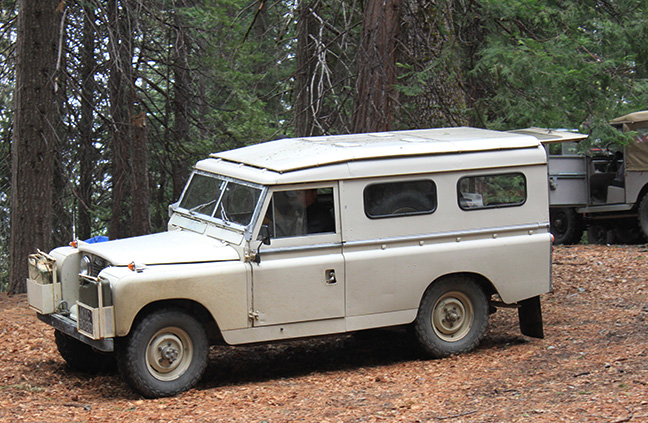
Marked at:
<point>120,48</point>
<point>305,92</point>
<point>33,139</point>
<point>375,95</point>
<point>181,107</point>
<point>141,224</point>
<point>430,49</point>
<point>86,156</point>
<point>62,219</point>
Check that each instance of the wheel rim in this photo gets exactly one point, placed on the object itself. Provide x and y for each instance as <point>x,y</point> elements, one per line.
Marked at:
<point>559,223</point>
<point>453,316</point>
<point>169,354</point>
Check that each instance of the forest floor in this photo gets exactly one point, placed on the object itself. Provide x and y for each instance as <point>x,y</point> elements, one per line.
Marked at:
<point>592,366</point>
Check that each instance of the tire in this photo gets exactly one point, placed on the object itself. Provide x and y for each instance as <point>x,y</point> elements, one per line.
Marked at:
<point>643,215</point>
<point>598,235</point>
<point>405,203</point>
<point>82,357</point>
<point>452,317</point>
<point>566,226</point>
<point>627,236</point>
<point>166,353</point>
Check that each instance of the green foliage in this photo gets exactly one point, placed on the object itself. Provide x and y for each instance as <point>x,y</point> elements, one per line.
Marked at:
<point>231,64</point>
<point>561,63</point>
<point>237,70</point>
<point>245,61</point>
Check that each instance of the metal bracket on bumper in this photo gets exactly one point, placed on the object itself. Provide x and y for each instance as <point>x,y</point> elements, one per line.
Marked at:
<point>68,327</point>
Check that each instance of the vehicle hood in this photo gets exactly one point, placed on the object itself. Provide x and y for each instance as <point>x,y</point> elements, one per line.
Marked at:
<point>162,248</point>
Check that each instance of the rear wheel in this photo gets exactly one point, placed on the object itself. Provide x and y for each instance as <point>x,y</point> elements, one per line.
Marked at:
<point>643,215</point>
<point>166,353</point>
<point>452,317</point>
<point>627,235</point>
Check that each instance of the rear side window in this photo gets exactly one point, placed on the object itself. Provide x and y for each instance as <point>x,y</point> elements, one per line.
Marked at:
<point>400,199</point>
<point>492,191</point>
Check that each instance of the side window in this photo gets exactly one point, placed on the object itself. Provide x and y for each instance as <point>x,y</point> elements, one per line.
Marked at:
<point>404,198</point>
<point>301,212</point>
<point>491,191</point>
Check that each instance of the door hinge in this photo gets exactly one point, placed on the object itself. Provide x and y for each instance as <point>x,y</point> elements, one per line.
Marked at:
<point>249,256</point>
<point>253,315</point>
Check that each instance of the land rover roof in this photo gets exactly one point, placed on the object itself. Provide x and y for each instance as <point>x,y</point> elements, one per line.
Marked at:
<point>314,158</point>
<point>632,121</point>
<point>550,135</point>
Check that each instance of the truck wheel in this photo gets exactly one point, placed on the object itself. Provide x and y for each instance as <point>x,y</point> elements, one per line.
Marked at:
<point>452,317</point>
<point>597,234</point>
<point>166,353</point>
<point>406,203</point>
<point>643,215</point>
<point>566,225</point>
<point>627,236</point>
<point>82,357</point>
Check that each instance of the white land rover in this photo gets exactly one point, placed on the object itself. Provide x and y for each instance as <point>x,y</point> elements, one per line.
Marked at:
<point>302,237</point>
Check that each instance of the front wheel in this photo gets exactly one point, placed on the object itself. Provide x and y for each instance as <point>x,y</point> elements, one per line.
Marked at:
<point>82,357</point>
<point>452,317</point>
<point>166,353</point>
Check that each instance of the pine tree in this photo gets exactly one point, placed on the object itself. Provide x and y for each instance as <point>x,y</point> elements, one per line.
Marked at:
<point>33,144</point>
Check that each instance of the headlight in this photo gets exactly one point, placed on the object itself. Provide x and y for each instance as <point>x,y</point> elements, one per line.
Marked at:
<point>85,267</point>
<point>91,265</point>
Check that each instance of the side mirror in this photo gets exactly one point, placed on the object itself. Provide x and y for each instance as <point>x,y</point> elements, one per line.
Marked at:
<point>264,234</point>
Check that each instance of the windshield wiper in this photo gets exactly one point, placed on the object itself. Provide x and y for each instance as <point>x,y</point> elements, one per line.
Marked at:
<point>223,215</point>
<point>199,206</point>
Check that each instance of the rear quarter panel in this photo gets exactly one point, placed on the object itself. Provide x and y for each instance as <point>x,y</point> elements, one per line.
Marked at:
<point>391,261</point>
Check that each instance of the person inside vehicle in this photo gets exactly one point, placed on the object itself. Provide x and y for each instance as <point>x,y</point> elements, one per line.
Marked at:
<point>298,213</point>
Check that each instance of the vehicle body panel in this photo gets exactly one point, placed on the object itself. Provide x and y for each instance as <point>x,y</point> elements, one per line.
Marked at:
<point>222,288</point>
<point>162,248</point>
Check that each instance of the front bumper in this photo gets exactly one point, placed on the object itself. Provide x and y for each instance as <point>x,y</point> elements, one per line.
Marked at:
<point>69,327</point>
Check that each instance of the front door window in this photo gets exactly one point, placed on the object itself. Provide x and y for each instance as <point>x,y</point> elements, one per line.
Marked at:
<point>301,212</point>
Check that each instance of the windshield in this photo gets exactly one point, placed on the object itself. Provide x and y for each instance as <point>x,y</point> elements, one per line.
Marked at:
<point>221,198</point>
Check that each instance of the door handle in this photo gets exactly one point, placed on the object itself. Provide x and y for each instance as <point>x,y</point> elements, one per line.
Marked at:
<point>330,276</point>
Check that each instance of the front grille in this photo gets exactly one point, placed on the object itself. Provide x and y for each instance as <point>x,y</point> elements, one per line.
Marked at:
<point>97,264</point>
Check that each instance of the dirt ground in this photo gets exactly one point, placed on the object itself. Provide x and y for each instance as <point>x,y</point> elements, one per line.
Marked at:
<point>592,366</point>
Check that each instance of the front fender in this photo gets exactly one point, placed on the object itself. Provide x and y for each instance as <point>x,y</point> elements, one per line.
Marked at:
<point>221,287</point>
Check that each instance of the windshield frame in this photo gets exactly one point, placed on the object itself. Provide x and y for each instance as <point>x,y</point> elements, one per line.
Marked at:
<point>216,218</point>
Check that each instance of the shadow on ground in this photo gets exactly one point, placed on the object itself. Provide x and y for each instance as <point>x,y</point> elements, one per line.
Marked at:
<point>239,365</point>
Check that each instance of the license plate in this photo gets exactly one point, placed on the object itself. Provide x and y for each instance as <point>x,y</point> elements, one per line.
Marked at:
<point>85,321</point>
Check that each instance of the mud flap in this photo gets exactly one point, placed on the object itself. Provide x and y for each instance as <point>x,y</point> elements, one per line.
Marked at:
<point>530,314</point>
